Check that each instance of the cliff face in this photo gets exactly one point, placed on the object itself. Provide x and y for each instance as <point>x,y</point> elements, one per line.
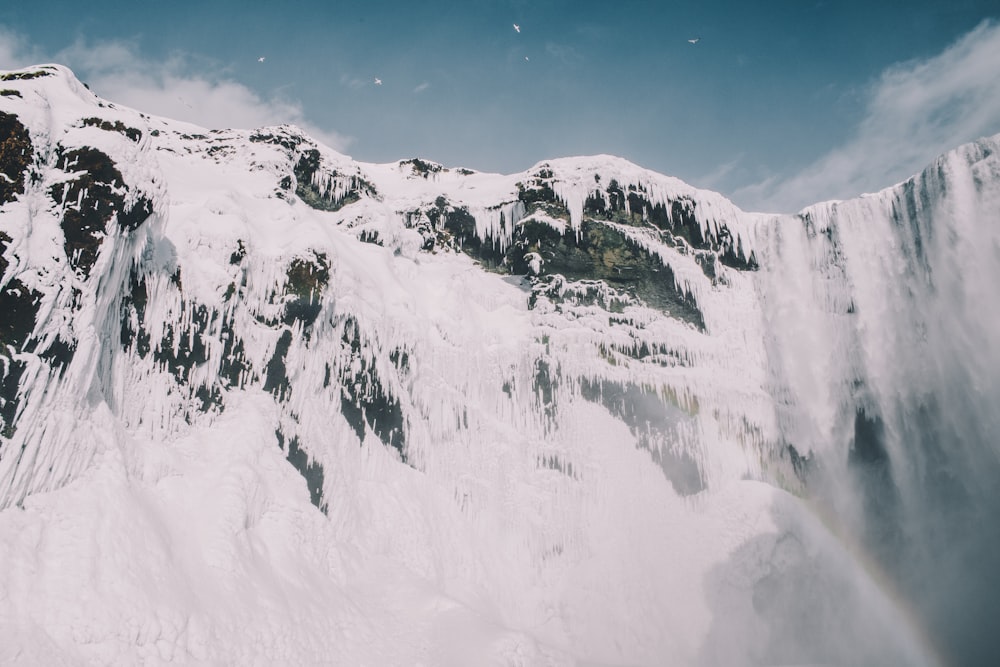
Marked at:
<point>402,412</point>
<point>208,263</point>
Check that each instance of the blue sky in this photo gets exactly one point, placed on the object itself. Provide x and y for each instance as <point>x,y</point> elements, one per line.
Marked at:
<point>780,103</point>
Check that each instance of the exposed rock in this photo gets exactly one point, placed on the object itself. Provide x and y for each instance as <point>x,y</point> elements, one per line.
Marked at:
<point>118,126</point>
<point>327,190</point>
<point>421,168</point>
<point>310,470</point>
<point>284,139</point>
<point>275,374</point>
<point>16,155</point>
<point>306,280</point>
<point>544,385</point>
<point>365,401</point>
<point>25,76</point>
<point>537,196</point>
<point>90,202</point>
<point>560,292</point>
<point>601,252</point>
<point>460,226</point>
<point>182,348</point>
<point>19,307</point>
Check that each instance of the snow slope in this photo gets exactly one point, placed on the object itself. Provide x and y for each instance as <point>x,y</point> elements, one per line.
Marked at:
<point>267,404</point>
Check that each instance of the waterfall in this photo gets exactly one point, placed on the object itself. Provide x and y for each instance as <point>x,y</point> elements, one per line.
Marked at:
<point>883,329</point>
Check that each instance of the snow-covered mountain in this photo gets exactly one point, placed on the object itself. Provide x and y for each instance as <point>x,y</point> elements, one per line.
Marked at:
<point>262,403</point>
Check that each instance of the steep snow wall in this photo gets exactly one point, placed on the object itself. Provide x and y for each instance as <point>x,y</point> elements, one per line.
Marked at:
<point>401,413</point>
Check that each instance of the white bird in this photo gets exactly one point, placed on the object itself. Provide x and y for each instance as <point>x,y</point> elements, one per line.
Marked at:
<point>695,40</point>
<point>261,59</point>
<point>378,81</point>
<point>527,59</point>
<point>517,28</point>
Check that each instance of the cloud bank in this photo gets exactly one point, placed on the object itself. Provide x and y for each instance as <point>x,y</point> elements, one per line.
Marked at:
<point>915,111</point>
<point>178,88</point>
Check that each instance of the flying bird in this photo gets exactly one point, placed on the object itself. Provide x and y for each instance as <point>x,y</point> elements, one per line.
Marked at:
<point>695,40</point>
<point>517,28</point>
<point>378,81</point>
<point>261,59</point>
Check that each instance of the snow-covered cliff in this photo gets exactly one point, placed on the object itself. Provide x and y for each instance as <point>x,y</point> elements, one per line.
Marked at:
<point>264,403</point>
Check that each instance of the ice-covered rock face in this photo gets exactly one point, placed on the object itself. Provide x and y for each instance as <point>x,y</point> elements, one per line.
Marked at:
<point>400,413</point>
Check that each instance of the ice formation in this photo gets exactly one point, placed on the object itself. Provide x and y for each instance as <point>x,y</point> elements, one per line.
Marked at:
<point>263,403</point>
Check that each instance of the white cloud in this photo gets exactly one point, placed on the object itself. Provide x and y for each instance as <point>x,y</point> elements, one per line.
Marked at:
<point>916,111</point>
<point>422,87</point>
<point>179,88</point>
<point>715,179</point>
<point>15,52</point>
